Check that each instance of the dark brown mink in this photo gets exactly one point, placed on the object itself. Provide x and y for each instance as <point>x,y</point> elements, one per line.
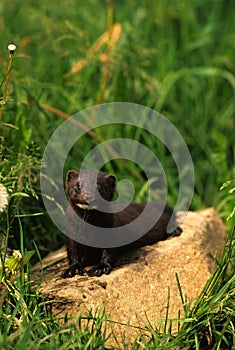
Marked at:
<point>82,188</point>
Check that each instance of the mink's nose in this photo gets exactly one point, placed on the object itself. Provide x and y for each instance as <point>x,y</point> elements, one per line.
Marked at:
<point>89,197</point>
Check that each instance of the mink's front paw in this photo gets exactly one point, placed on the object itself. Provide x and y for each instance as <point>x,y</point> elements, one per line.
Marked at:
<point>100,270</point>
<point>72,270</point>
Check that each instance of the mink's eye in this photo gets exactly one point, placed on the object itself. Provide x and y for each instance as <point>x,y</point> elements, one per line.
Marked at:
<point>78,186</point>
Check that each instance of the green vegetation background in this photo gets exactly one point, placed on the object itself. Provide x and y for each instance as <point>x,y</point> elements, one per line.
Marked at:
<point>176,57</point>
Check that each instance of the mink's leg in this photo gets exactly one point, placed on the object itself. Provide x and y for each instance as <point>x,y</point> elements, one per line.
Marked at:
<point>105,266</point>
<point>76,253</point>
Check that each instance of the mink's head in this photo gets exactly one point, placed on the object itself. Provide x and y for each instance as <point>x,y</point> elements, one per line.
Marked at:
<point>86,188</point>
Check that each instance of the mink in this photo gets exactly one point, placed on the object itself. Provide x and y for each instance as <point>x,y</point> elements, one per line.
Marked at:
<point>81,189</point>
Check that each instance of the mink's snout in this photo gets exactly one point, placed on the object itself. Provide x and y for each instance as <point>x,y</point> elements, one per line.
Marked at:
<point>87,197</point>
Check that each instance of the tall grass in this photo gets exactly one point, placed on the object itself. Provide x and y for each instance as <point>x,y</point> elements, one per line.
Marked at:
<point>169,56</point>
<point>176,57</point>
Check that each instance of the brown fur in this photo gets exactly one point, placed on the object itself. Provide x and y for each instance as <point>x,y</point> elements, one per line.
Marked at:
<point>81,190</point>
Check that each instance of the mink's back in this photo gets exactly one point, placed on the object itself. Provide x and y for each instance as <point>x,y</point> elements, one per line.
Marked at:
<point>157,232</point>
<point>121,218</point>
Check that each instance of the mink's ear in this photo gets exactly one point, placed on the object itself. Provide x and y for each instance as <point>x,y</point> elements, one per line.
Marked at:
<point>71,175</point>
<point>111,179</point>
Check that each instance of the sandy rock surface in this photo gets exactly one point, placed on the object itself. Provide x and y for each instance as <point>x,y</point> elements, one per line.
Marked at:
<point>141,285</point>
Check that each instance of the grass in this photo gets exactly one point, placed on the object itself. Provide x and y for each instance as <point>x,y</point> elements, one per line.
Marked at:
<point>176,57</point>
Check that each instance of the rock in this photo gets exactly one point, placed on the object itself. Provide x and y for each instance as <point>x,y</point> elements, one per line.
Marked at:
<point>140,286</point>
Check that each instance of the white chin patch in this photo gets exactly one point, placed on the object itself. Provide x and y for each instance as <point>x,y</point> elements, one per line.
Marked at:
<point>85,206</point>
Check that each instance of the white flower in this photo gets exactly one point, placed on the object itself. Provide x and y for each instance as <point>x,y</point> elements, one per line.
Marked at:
<point>3,198</point>
<point>11,48</point>
<point>17,255</point>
